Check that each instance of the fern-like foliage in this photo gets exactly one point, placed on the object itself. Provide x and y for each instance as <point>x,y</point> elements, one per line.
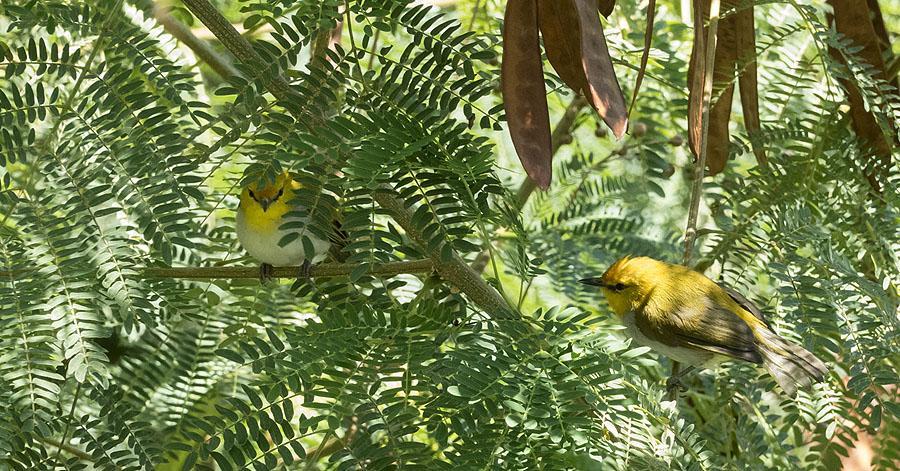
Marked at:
<point>118,153</point>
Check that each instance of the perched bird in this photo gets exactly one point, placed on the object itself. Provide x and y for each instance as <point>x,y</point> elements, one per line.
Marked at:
<point>261,213</point>
<point>689,318</point>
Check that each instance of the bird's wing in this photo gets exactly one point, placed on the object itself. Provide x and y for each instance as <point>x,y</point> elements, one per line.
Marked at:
<point>337,236</point>
<point>746,304</point>
<point>709,328</point>
<point>339,241</point>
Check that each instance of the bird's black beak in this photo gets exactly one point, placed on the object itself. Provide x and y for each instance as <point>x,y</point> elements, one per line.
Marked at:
<point>592,281</point>
<point>265,204</point>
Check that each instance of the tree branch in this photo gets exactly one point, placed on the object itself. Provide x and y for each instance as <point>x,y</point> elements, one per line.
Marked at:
<point>240,47</point>
<point>454,270</point>
<point>323,270</point>
<point>329,447</point>
<point>204,51</point>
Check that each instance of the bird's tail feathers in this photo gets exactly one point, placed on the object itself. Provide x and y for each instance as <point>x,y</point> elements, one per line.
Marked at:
<point>791,365</point>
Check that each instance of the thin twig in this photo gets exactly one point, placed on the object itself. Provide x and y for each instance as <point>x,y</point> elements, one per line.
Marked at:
<point>373,47</point>
<point>329,447</point>
<point>690,233</point>
<point>317,271</point>
<point>474,14</point>
<point>645,55</point>
<point>68,421</point>
<point>65,447</point>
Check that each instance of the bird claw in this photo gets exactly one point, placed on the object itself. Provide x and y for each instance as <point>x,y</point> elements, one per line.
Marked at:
<point>674,383</point>
<point>305,270</point>
<point>302,282</point>
<point>265,273</point>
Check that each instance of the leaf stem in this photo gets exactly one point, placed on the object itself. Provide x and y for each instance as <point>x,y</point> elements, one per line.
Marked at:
<point>65,447</point>
<point>65,434</point>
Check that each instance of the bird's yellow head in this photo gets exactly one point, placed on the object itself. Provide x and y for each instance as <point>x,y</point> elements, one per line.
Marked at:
<point>627,283</point>
<point>267,204</point>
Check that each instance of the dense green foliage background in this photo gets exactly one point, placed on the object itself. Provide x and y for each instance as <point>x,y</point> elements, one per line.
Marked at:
<point>120,150</point>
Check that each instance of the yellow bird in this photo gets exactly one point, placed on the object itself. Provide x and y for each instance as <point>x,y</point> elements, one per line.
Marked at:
<point>689,318</point>
<point>261,213</point>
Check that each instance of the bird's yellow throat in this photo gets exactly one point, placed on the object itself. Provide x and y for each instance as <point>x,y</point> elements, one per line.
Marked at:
<point>264,207</point>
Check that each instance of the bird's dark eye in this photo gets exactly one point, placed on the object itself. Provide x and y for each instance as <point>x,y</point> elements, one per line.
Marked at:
<point>618,287</point>
<point>280,192</point>
<point>251,193</point>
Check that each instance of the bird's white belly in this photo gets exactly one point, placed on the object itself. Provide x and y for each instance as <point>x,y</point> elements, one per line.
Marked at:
<point>263,245</point>
<point>684,355</point>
